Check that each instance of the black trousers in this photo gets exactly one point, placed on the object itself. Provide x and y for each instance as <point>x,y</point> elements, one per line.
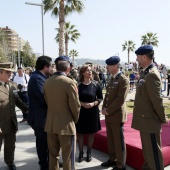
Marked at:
<point>168,89</point>
<point>42,147</point>
<point>24,97</point>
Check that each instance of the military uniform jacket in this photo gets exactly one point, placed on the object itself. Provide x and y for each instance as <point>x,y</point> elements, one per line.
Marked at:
<point>148,114</point>
<point>114,102</point>
<point>63,104</point>
<point>8,100</point>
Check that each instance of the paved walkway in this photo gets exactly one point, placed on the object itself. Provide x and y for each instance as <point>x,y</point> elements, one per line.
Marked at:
<point>26,157</point>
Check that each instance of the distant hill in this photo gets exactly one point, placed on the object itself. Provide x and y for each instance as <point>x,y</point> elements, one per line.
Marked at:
<point>84,60</point>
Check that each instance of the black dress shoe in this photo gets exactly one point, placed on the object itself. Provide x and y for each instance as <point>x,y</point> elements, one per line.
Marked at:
<point>23,120</point>
<point>116,168</point>
<point>108,163</point>
<point>12,166</point>
<point>88,159</point>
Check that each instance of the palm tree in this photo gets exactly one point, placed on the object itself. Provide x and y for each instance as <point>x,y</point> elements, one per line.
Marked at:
<point>150,39</point>
<point>62,9</point>
<point>129,46</point>
<point>70,34</point>
<point>73,53</point>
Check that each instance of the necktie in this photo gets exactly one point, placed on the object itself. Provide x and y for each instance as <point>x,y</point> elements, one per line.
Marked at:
<point>6,86</point>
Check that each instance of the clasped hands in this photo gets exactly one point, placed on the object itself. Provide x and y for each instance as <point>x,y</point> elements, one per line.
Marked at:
<point>87,105</point>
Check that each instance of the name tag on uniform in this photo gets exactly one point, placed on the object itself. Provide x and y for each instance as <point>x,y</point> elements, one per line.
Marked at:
<point>114,84</point>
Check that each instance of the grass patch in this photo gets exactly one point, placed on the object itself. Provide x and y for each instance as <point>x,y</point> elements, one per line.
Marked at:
<point>130,106</point>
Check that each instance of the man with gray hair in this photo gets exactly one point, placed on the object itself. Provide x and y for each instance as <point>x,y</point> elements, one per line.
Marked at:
<point>61,96</point>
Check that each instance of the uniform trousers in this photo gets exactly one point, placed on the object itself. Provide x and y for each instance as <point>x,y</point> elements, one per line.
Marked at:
<point>42,147</point>
<point>9,146</point>
<point>116,143</point>
<point>151,147</point>
<point>67,143</point>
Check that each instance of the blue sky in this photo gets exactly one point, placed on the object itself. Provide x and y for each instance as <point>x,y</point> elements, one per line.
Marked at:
<point>104,26</point>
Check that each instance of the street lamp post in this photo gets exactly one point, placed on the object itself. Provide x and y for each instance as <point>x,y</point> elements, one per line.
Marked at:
<point>19,45</point>
<point>42,19</point>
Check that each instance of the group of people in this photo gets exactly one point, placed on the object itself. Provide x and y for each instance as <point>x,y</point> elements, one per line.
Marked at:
<point>59,110</point>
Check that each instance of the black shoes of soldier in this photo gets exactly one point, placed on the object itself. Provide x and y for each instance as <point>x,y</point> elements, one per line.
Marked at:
<point>108,163</point>
<point>12,166</point>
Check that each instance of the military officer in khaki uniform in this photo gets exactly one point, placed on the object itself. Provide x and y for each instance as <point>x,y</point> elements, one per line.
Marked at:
<point>8,120</point>
<point>63,111</point>
<point>114,109</point>
<point>148,114</point>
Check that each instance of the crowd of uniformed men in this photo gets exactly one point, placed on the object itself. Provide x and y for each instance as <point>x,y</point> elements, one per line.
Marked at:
<point>54,108</point>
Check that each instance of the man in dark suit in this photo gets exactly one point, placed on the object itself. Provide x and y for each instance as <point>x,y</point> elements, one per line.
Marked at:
<point>38,107</point>
<point>114,109</point>
<point>148,113</point>
<point>8,120</point>
<point>63,103</point>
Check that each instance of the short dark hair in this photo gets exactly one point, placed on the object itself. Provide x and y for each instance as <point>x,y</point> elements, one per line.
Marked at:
<point>150,55</point>
<point>43,61</point>
<point>62,65</point>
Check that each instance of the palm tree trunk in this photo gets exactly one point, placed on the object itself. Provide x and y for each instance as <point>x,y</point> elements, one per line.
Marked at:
<point>61,28</point>
<point>73,61</point>
<point>66,45</point>
<point>128,55</point>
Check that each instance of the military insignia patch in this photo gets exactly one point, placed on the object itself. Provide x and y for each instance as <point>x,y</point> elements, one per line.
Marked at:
<point>141,81</point>
<point>114,84</point>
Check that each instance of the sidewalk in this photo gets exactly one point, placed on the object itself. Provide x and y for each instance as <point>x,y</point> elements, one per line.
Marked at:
<point>26,157</point>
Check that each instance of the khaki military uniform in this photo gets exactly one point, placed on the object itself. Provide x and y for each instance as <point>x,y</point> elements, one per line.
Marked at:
<point>148,115</point>
<point>8,120</point>
<point>114,103</point>
<point>63,111</point>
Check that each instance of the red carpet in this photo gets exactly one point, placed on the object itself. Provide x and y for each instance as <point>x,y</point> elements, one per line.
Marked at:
<point>134,150</point>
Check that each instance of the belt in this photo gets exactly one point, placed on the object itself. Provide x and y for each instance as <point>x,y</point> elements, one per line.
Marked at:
<point>22,92</point>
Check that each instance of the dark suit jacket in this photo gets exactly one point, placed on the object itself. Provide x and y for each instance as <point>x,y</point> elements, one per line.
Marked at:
<point>8,100</point>
<point>37,105</point>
